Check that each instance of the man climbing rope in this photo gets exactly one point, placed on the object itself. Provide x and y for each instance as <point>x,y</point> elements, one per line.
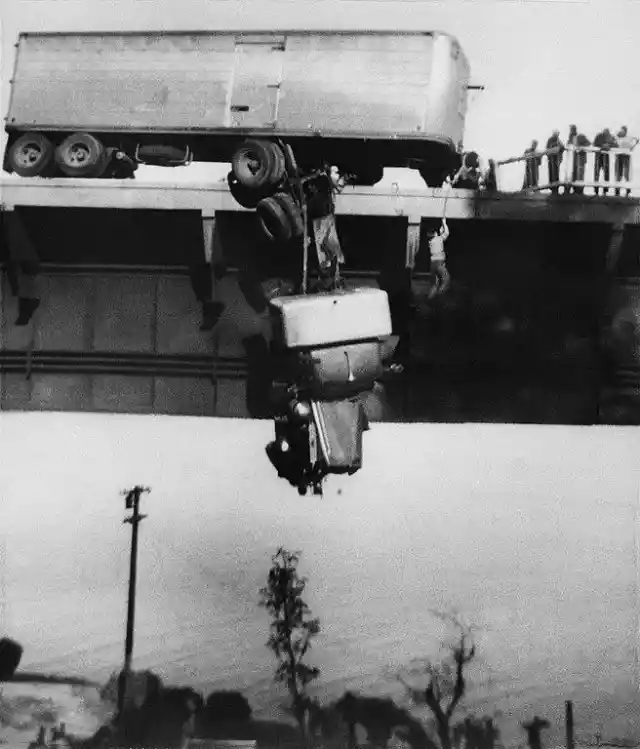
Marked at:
<point>398,283</point>
<point>321,214</point>
<point>439,272</point>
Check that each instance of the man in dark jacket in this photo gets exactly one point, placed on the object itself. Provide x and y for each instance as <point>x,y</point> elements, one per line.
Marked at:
<point>554,160</point>
<point>532,166</point>
<point>605,142</point>
<point>578,141</point>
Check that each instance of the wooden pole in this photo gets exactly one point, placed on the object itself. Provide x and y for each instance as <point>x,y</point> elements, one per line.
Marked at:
<point>569,723</point>
<point>132,503</point>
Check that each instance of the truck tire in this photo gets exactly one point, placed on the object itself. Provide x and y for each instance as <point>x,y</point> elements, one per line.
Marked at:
<point>258,164</point>
<point>31,155</point>
<point>10,655</point>
<point>81,155</point>
<point>246,198</point>
<point>280,218</point>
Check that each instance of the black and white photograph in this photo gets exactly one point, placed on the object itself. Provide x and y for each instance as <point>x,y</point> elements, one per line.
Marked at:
<point>320,374</point>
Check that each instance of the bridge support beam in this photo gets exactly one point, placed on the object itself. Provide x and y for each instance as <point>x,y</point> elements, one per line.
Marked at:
<point>413,241</point>
<point>209,271</point>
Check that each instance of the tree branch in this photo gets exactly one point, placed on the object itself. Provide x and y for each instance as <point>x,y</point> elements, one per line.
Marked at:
<point>461,658</point>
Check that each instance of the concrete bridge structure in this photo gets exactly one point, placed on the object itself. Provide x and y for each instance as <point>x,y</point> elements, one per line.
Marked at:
<point>118,329</point>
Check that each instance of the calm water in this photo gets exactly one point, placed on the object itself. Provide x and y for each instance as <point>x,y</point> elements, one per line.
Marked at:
<point>528,532</point>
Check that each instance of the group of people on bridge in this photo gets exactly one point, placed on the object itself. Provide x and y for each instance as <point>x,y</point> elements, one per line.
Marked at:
<point>578,146</point>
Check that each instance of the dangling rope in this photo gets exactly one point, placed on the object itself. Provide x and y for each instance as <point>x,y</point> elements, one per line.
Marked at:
<point>448,191</point>
<point>298,191</point>
<point>309,234</point>
<point>306,241</point>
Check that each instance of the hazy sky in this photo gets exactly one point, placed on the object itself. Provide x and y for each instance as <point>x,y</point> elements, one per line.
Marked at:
<point>545,63</point>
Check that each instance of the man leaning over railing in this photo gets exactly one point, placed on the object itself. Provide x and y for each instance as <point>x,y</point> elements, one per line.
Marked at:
<point>604,142</point>
<point>623,161</point>
<point>555,149</point>
<point>576,142</point>
<point>532,166</point>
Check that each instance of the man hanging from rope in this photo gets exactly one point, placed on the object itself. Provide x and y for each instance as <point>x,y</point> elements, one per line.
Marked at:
<point>398,283</point>
<point>322,217</point>
<point>439,273</point>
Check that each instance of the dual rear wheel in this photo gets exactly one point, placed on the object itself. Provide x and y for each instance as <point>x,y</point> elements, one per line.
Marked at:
<point>80,155</point>
<point>260,171</point>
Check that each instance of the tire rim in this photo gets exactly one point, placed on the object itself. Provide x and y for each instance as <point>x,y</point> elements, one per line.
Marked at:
<point>254,165</point>
<point>29,155</point>
<point>78,155</point>
<point>251,164</point>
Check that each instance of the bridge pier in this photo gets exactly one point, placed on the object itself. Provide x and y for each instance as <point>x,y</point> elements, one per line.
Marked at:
<point>413,240</point>
<point>206,274</point>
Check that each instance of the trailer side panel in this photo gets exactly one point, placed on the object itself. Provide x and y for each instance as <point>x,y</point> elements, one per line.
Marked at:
<point>122,82</point>
<point>334,84</point>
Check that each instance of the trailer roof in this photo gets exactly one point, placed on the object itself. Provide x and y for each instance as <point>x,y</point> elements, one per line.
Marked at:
<point>243,32</point>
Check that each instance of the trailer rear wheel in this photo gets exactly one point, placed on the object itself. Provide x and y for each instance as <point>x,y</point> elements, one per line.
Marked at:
<point>258,164</point>
<point>280,218</point>
<point>31,155</point>
<point>81,155</point>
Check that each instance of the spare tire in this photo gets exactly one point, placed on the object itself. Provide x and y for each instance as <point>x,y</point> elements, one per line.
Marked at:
<point>10,655</point>
<point>31,155</point>
<point>243,196</point>
<point>280,218</point>
<point>81,155</point>
<point>258,164</point>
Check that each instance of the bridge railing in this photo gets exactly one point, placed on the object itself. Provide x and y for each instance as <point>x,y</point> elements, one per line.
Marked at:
<point>576,172</point>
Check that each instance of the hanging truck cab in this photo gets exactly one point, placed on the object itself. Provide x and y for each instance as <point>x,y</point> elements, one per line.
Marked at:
<point>361,101</point>
<point>331,349</point>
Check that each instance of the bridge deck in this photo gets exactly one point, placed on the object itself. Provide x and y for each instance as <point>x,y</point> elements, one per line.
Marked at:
<point>375,201</point>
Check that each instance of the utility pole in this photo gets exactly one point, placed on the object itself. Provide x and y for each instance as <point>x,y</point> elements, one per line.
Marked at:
<point>132,502</point>
<point>568,706</point>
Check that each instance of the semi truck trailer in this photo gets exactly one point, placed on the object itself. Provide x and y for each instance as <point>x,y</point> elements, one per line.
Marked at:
<point>358,101</point>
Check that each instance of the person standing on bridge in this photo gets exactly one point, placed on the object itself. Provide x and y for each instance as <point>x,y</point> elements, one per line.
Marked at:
<point>468,176</point>
<point>605,142</point>
<point>490,178</point>
<point>554,160</point>
<point>532,166</point>
<point>578,141</point>
<point>623,161</point>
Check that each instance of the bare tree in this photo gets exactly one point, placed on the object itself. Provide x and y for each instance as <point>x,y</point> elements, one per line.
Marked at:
<point>446,683</point>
